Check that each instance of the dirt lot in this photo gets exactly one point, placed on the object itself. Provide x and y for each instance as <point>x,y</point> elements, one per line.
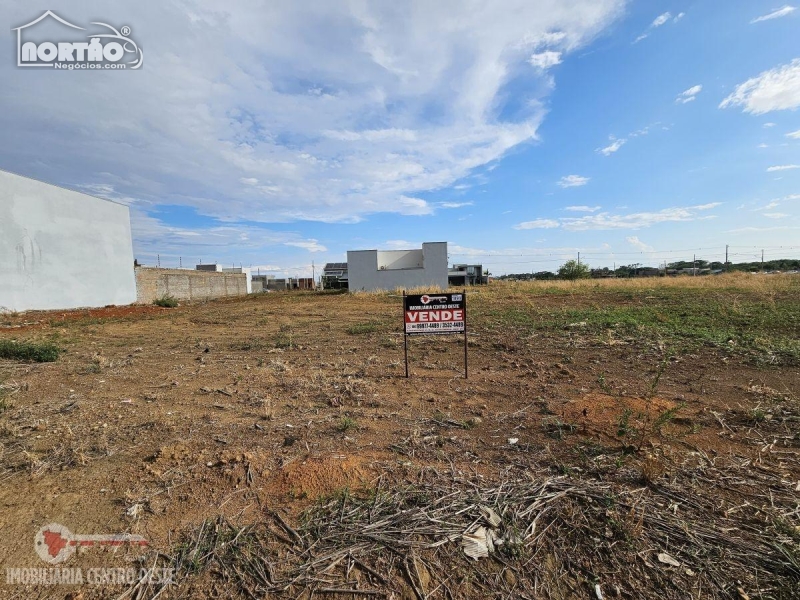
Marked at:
<point>636,439</point>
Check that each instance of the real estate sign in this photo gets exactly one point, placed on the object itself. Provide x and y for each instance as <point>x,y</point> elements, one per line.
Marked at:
<point>435,314</point>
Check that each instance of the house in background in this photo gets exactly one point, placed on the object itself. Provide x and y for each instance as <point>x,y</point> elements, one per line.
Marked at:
<point>370,270</point>
<point>334,276</point>
<point>467,275</point>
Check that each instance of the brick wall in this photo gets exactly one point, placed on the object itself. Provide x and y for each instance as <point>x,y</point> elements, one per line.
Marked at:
<point>183,284</point>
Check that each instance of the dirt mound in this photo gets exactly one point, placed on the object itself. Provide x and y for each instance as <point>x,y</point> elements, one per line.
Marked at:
<point>603,412</point>
<point>315,477</point>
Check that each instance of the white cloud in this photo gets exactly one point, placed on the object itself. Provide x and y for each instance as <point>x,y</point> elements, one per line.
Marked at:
<point>608,221</point>
<point>455,204</point>
<point>782,168</point>
<point>776,89</point>
<point>795,135</point>
<point>638,244</point>
<point>311,245</point>
<point>689,95</point>
<point>661,19</point>
<point>545,60</point>
<point>272,112</point>
<point>615,145</point>
<point>776,14</point>
<point>775,215</point>
<point>588,209</point>
<point>768,125</point>
<point>708,206</point>
<point>538,224</point>
<point>569,181</point>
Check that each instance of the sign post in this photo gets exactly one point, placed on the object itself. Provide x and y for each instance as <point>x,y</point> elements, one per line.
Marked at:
<point>434,314</point>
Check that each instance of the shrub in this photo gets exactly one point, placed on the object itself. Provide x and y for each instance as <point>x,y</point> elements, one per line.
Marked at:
<point>347,423</point>
<point>29,351</point>
<point>166,301</point>
<point>572,270</point>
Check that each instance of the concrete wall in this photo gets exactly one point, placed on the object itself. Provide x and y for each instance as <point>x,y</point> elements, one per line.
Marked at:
<point>62,249</point>
<point>152,283</point>
<point>365,275</point>
<point>246,271</point>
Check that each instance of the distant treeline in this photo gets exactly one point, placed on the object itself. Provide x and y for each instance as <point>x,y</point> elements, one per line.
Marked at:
<point>681,267</point>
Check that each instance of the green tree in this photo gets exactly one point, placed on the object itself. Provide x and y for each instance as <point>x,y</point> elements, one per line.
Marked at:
<point>572,270</point>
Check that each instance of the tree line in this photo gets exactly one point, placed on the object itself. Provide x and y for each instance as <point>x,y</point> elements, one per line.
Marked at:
<point>572,269</point>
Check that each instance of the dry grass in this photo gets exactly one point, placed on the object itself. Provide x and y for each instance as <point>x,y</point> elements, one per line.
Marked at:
<point>729,281</point>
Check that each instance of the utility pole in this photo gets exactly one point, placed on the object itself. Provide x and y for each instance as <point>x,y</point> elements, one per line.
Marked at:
<point>762,259</point>
<point>313,275</point>
<point>694,265</point>
<point>159,260</point>
<point>180,262</point>
<point>579,258</point>
<point>726,257</point>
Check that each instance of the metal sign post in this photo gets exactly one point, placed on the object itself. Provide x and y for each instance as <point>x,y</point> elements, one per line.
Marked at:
<point>434,314</point>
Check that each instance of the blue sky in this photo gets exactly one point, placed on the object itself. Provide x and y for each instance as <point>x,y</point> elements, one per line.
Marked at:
<point>275,134</point>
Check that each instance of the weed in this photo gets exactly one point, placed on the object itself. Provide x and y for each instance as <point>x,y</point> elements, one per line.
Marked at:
<point>284,341</point>
<point>652,469</point>
<point>601,380</point>
<point>666,417</point>
<point>346,424</point>
<point>166,301</point>
<point>29,351</point>
<point>758,414</point>
<point>556,428</point>
<point>250,345</point>
<point>92,369</point>
<point>659,372</point>
<point>362,328</point>
<point>5,403</point>
<point>623,423</point>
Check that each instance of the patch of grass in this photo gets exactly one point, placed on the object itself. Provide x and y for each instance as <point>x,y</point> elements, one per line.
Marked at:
<point>362,328</point>
<point>166,301</point>
<point>29,351</point>
<point>283,340</point>
<point>250,345</point>
<point>346,424</point>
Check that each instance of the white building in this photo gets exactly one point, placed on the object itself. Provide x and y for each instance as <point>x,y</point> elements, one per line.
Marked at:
<point>62,249</point>
<point>370,270</point>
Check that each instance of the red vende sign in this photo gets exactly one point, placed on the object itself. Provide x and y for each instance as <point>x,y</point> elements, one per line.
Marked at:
<point>440,314</point>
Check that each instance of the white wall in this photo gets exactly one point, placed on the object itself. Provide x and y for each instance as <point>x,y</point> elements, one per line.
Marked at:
<point>400,259</point>
<point>62,249</point>
<point>364,273</point>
